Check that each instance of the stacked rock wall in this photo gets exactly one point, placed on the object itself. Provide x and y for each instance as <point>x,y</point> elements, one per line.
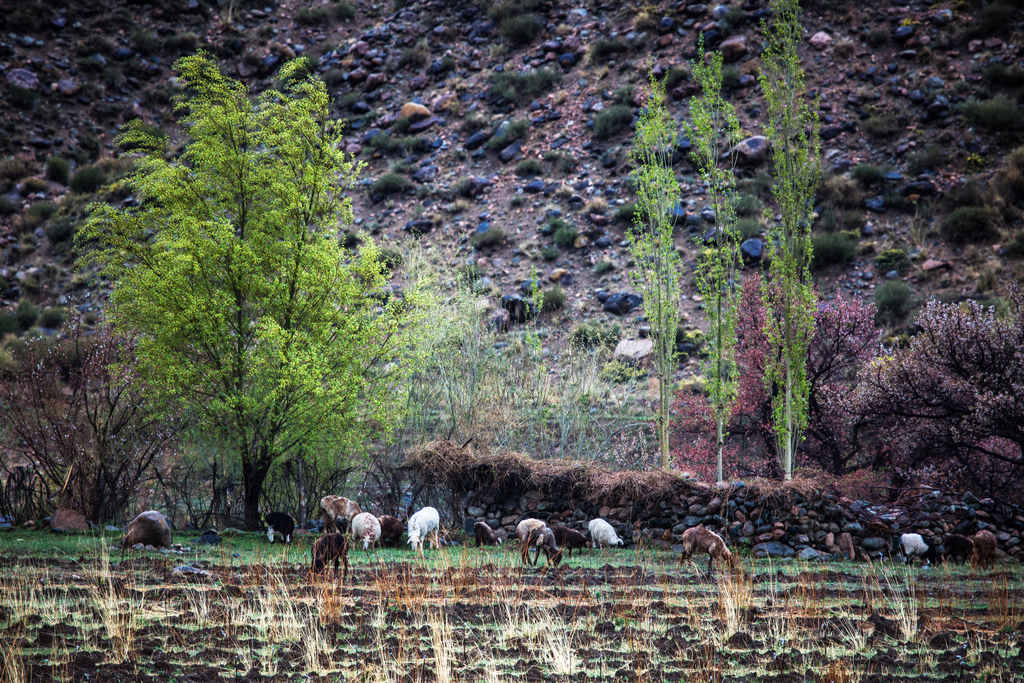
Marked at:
<point>808,524</point>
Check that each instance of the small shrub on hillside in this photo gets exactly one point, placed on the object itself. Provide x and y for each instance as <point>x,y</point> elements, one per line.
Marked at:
<point>604,48</point>
<point>882,125</point>
<point>1009,182</point>
<point>58,169</point>
<point>840,191</point>
<point>929,158</point>
<point>515,130</point>
<point>999,113</point>
<point>88,179</point>
<point>877,37</point>
<point>554,299</point>
<point>867,174</point>
<point>12,169</point>
<point>676,76</point>
<point>550,253</point>
<point>616,372</point>
<point>182,43</point>
<point>60,229</point>
<point>7,206</point>
<point>528,168</point>
<point>749,227</point>
<point>564,163</point>
<point>524,84</point>
<point>748,205</point>
<point>624,215</point>
<point>52,318</point>
<point>1001,74</point>
<point>893,301</point>
<point>522,29</point>
<point>38,214</point>
<point>415,56</point>
<point>969,224</point>
<point>613,120</point>
<point>390,183</point>
<point>565,236</point>
<point>602,267</point>
<point>834,248</point>
<point>995,19</point>
<point>26,314</point>
<point>730,77</point>
<point>1015,249</point>
<point>33,185</point>
<point>590,335</point>
<point>491,237</point>
<point>893,259</point>
<point>145,41</point>
<point>8,324</point>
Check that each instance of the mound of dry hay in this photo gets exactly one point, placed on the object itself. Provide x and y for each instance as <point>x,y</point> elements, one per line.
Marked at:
<point>461,470</point>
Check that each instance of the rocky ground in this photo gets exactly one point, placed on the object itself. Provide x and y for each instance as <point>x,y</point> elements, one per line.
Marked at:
<point>500,133</point>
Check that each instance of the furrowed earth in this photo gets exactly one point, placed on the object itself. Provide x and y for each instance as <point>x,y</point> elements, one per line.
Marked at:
<point>73,609</point>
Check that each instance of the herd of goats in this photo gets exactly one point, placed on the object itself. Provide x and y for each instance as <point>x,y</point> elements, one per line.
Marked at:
<point>344,522</point>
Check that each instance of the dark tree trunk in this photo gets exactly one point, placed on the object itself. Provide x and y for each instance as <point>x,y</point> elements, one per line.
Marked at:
<point>253,476</point>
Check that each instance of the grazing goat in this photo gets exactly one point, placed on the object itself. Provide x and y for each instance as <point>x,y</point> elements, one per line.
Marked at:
<point>958,548</point>
<point>913,545</point>
<point>602,533</point>
<point>984,548</point>
<point>391,529</point>
<point>699,539</point>
<point>366,527</point>
<point>279,523</point>
<point>148,528</point>
<point>330,548</point>
<point>335,508</point>
<point>424,522</point>
<point>534,533</point>
<point>569,539</point>
<point>484,534</point>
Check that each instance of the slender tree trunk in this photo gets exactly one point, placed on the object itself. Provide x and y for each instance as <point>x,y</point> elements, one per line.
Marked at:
<point>787,457</point>
<point>721,445</point>
<point>302,495</point>
<point>253,476</point>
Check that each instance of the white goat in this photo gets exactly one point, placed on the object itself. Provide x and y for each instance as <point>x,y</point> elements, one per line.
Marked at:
<point>421,524</point>
<point>602,533</point>
<point>913,546</point>
<point>367,528</point>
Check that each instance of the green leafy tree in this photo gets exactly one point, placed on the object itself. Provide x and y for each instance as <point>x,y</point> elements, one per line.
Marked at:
<point>247,310</point>
<point>792,130</point>
<point>658,269</point>
<point>715,128</point>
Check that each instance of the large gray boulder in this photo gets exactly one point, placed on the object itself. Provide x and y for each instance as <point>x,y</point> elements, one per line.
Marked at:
<point>149,528</point>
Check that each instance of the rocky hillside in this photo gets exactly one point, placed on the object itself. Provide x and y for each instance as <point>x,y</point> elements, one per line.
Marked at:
<point>499,133</point>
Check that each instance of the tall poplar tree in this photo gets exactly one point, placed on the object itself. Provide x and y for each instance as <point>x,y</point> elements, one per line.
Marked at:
<point>658,270</point>
<point>715,129</point>
<point>792,131</point>
<point>247,310</point>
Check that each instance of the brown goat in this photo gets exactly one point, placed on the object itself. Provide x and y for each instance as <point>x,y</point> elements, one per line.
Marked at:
<point>984,548</point>
<point>391,530</point>
<point>534,533</point>
<point>328,548</point>
<point>704,540</point>
<point>334,508</point>
<point>484,534</point>
<point>569,539</point>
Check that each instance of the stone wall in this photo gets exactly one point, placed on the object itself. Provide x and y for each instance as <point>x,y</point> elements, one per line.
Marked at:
<point>782,522</point>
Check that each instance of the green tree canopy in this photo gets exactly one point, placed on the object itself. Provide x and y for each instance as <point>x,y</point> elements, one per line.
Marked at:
<point>248,311</point>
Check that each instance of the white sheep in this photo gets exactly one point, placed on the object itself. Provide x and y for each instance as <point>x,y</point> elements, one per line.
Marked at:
<point>913,546</point>
<point>421,524</point>
<point>366,527</point>
<point>602,533</point>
